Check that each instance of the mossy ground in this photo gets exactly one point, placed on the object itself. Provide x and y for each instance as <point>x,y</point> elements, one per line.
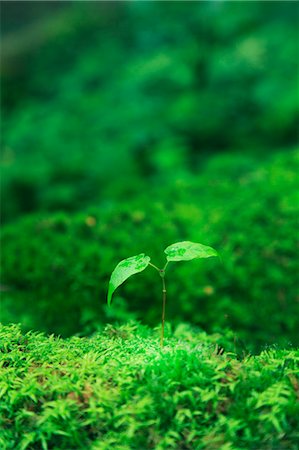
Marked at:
<point>119,390</point>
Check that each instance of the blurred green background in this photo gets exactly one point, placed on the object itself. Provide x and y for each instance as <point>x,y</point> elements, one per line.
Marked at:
<point>127,126</point>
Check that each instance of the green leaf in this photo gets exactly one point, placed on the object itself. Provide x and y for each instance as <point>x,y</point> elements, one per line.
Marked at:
<point>186,250</point>
<point>124,270</point>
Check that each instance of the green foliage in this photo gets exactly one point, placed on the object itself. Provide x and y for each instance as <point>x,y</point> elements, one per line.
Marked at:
<point>133,96</point>
<point>117,389</point>
<point>180,251</point>
<point>62,262</point>
<point>125,269</point>
<point>185,251</point>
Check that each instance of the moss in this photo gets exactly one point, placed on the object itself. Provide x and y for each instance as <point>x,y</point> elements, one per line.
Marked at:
<point>118,389</point>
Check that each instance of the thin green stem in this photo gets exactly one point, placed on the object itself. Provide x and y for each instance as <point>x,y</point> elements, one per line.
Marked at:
<point>162,275</point>
<point>155,267</point>
<point>163,308</point>
<point>164,268</point>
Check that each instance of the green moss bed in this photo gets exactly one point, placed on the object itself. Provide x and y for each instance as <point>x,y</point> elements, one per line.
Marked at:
<point>119,390</point>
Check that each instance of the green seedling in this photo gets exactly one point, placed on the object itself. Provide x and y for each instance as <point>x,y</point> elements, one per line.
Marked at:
<point>181,251</point>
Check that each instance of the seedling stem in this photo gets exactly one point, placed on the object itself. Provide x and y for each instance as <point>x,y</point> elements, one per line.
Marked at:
<point>162,275</point>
